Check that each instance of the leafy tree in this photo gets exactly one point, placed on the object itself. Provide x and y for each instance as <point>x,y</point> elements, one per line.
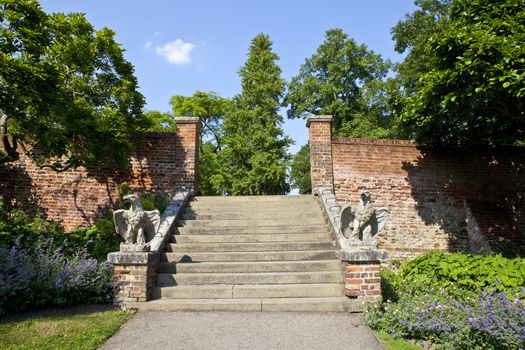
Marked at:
<point>160,121</point>
<point>66,90</point>
<point>412,35</point>
<point>255,149</point>
<point>343,79</point>
<point>300,171</point>
<point>211,109</point>
<point>474,92</point>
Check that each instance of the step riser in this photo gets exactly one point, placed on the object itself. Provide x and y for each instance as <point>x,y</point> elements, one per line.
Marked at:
<point>259,215</point>
<point>250,223</point>
<point>247,238</point>
<point>217,267</point>
<point>248,256</point>
<point>341,304</point>
<point>249,291</point>
<point>249,247</point>
<point>254,199</point>
<point>289,229</point>
<point>283,278</point>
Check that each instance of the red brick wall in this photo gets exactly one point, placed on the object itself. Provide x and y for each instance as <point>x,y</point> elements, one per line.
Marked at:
<point>424,192</point>
<point>77,197</point>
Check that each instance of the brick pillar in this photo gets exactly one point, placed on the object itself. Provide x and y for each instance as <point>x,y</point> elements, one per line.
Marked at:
<point>135,273</point>
<point>320,140</point>
<point>361,270</point>
<point>188,147</point>
<point>362,279</point>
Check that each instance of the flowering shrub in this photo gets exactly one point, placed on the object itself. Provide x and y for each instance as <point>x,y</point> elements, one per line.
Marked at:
<point>45,276</point>
<point>452,315</point>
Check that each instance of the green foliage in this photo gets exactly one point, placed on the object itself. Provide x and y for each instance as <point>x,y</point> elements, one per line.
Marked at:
<point>150,200</point>
<point>466,272</point>
<point>300,171</point>
<point>346,80</point>
<point>66,89</point>
<point>160,121</point>
<point>453,301</point>
<point>211,109</point>
<point>473,91</point>
<point>254,157</point>
<point>99,239</point>
<point>413,34</point>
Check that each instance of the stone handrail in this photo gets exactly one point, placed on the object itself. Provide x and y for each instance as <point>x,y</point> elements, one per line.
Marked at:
<point>332,210</point>
<point>167,219</point>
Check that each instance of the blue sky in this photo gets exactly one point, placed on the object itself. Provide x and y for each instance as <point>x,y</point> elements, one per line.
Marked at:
<point>179,47</point>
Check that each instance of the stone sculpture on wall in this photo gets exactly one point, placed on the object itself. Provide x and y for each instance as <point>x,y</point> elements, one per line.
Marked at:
<point>136,225</point>
<point>359,224</point>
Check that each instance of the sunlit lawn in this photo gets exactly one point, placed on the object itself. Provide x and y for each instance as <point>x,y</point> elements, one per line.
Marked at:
<point>87,331</point>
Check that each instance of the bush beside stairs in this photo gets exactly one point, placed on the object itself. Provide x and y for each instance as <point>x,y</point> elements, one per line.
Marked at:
<point>251,253</point>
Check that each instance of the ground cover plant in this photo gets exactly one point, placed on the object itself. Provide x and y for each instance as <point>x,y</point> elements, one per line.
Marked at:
<point>83,331</point>
<point>454,301</point>
<point>43,275</point>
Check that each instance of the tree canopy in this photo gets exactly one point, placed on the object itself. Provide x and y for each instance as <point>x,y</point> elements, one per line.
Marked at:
<point>473,92</point>
<point>346,80</point>
<point>300,176</point>
<point>211,109</point>
<point>254,156</point>
<point>67,95</point>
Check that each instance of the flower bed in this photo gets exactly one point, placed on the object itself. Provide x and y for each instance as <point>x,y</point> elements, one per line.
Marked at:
<point>432,306</point>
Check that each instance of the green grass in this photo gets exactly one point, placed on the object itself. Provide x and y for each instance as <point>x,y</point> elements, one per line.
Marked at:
<point>392,343</point>
<point>86,331</point>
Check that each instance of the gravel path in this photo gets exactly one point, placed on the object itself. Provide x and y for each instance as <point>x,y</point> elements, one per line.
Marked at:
<point>236,330</point>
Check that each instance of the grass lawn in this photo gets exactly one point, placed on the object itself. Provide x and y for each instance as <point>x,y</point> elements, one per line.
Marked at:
<point>392,343</point>
<point>81,331</point>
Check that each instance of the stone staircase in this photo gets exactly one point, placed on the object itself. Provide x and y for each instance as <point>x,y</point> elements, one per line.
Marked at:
<point>260,253</point>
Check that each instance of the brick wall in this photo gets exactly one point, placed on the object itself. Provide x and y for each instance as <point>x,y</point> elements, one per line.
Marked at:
<point>77,197</point>
<point>424,192</point>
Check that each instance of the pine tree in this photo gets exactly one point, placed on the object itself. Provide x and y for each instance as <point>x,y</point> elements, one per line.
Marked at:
<point>255,156</point>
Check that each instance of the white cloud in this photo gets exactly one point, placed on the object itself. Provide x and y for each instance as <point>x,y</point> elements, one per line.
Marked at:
<point>176,52</point>
<point>148,44</point>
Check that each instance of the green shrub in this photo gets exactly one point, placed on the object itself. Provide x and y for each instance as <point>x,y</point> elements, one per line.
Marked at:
<point>465,272</point>
<point>150,200</point>
<point>457,301</point>
<point>98,240</point>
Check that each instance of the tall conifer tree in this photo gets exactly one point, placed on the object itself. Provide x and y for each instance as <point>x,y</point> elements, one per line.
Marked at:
<point>255,156</point>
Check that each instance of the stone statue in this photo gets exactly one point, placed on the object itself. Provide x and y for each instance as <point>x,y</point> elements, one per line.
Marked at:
<point>363,222</point>
<point>136,225</point>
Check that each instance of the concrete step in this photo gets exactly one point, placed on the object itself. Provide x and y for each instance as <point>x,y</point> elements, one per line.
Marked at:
<point>227,291</point>
<point>248,247</point>
<point>327,304</point>
<point>253,266</point>
<point>282,229</point>
<point>166,279</point>
<point>189,214</point>
<point>250,238</point>
<point>249,256</point>
<point>251,222</point>
<point>257,199</point>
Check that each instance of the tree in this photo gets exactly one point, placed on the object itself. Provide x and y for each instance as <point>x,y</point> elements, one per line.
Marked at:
<point>160,121</point>
<point>211,109</point>
<point>473,94</point>
<point>67,95</point>
<point>255,149</point>
<point>346,80</point>
<point>412,36</point>
<point>300,177</point>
